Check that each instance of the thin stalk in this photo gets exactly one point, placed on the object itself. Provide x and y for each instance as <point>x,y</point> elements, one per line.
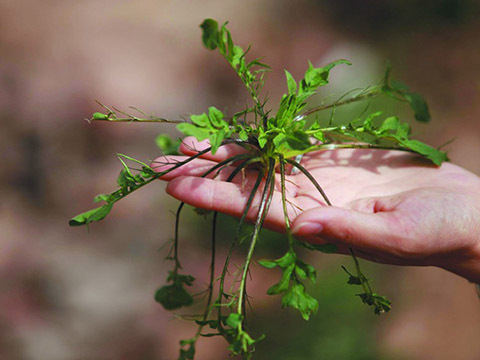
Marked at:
<point>240,167</point>
<point>180,207</point>
<point>175,241</point>
<point>311,178</point>
<point>360,146</point>
<point>373,93</point>
<point>284,201</point>
<point>264,205</point>
<point>208,308</point>
<point>363,280</point>
<point>136,119</point>
<point>158,175</point>
<point>235,241</point>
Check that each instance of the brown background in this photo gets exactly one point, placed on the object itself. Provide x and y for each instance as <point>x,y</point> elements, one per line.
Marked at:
<point>67,294</point>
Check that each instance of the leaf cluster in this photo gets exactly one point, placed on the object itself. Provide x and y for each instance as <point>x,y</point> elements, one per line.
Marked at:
<point>271,138</point>
<point>290,285</point>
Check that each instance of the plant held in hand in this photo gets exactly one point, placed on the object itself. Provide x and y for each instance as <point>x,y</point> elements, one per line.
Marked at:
<point>272,141</point>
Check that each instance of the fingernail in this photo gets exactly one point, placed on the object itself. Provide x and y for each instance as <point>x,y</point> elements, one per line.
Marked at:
<point>307,228</point>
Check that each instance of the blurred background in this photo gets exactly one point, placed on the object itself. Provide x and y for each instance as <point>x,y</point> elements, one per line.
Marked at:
<point>69,294</point>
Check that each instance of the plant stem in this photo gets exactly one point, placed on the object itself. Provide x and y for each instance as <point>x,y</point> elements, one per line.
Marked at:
<point>365,285</point>
<point>311,178</point>
<point>136,119</point>
<point>264,205</point>
<point>284,202</point>
<point>235,241</point>
<point>175,241</point>
<point>374,92</point>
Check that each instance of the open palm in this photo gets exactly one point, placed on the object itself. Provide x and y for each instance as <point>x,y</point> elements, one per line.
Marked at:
<point>390,206</point>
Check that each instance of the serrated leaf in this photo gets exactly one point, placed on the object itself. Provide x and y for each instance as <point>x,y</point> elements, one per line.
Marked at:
<point>284,282</point>
<point>297,298</point>
<point>316,77</point>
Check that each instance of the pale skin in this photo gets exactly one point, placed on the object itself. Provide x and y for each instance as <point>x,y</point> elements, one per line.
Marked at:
<point>391,207</point>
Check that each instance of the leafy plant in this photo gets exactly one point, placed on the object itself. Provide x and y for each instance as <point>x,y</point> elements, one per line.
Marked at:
<point>272,141</point>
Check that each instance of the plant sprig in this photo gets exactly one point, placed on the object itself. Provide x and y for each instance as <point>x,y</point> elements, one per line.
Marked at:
<point>271,139</point>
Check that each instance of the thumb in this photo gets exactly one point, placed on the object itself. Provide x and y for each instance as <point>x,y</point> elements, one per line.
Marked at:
<point>361,230</point>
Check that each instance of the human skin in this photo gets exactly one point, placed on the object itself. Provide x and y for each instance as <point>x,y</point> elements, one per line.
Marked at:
<point>390,207</point>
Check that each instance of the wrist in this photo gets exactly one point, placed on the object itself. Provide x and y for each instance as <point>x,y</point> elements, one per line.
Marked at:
<point>467,266</point>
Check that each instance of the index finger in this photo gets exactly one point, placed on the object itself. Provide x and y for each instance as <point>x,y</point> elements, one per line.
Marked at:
<point>191,146</point>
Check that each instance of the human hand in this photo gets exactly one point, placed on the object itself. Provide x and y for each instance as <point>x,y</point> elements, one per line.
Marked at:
<point>389,206</point>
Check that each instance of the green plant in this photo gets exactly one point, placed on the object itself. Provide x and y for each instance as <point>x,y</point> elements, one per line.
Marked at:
<point>272,141</point>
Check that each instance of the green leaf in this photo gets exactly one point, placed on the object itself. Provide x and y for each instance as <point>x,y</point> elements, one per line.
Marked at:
<point>193,130</point>
<point>99,116</point>
<point>380,303</point>
<point>216,117</point>
<point>397,89</point>
<point>126,179</point>
<point>200,120</point>
<point>419,106</point>
<point>368,122</point>
<point>284,283</point>
<point>187,350</point>
<point>297,298</point>
<point>243,135</point>
<point>173,297</point>
<point>210,34</point>
<point>87,217</point>
<point>298,140</point>
<point>436,156</point>
<point>316,77</point>
<point>286,260</point>
<point>167,145</point>
<point>234,319</point>
<point>354,280</point>
<point>304,271</point>
<point>262,138</point>
<point>269,264</point>
<point>103,197</point>
<point>291,84</point>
